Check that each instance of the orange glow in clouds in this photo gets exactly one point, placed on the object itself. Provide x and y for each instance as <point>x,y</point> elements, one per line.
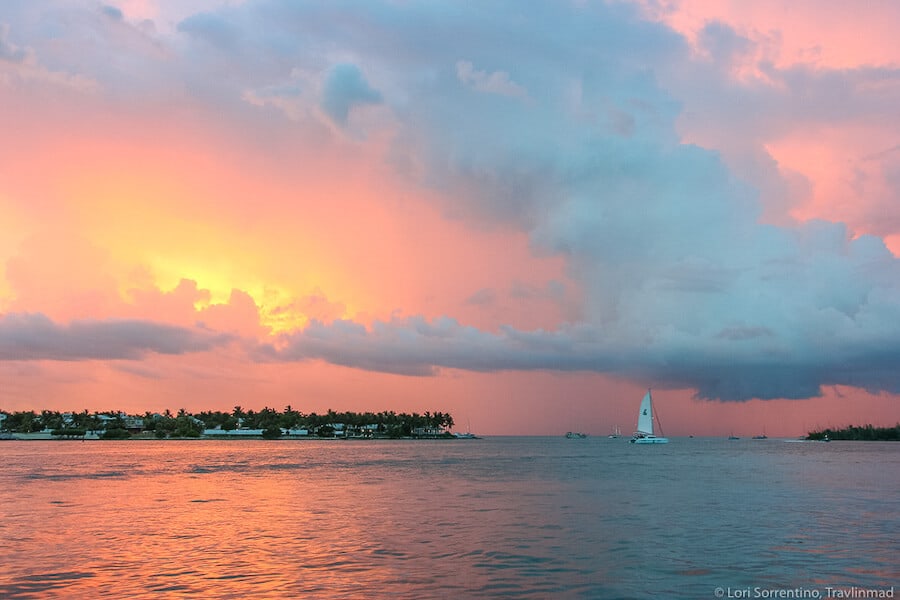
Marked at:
<point>183,208</point>
<point>327,236</point>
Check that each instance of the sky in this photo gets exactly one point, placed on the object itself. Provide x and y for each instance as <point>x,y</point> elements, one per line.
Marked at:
<point>524,214</point>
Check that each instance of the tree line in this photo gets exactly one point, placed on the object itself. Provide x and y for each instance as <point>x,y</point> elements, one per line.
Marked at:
<point>859,433</point>
<point>116,425</point>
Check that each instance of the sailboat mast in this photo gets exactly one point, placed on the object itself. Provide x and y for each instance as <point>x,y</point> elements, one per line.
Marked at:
<point>656,415</point>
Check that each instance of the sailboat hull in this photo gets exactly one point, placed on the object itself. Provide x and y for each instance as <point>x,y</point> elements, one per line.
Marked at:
<point>650,440</point>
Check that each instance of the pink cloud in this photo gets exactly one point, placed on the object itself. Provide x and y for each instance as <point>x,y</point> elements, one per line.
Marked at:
<point>821,32</point>
<point>443,225</point>
<point>807,109</point>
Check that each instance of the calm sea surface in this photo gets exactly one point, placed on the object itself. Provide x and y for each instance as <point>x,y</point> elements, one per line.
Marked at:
<point>497,517</point>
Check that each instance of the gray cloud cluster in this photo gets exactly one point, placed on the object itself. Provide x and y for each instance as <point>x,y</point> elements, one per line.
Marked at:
<point>561,120</point>
<point>346,87</point>
<point>9,51</point>
<point>685,286</point>
<point>734,363</point>
<point>36,337</point>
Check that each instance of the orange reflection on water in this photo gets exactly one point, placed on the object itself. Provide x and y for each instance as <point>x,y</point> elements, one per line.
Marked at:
<point>527,517</point>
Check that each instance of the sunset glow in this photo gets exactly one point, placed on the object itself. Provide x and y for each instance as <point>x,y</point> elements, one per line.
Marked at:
<point>521,214</point>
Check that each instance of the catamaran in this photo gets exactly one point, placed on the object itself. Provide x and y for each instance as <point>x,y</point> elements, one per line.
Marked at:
<point>644,433</point>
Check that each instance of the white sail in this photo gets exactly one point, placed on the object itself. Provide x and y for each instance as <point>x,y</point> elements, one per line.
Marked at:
<point>645,416</point>
<point>644,433</point>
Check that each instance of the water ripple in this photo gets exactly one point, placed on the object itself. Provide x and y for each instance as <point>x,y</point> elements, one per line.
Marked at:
<point>517,518</point>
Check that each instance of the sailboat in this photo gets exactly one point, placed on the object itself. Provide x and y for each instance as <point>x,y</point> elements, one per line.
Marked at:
<point>615,434</point>
<point>644,433</point>
<point>468,435</point>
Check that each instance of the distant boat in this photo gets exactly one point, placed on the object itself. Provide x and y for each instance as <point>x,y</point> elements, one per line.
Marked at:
<point>615,434</point>
<point>468,435</point>
<point>575,435</point>
<point>760,437</point>
<point>644,433</point>
<point>733,437</point>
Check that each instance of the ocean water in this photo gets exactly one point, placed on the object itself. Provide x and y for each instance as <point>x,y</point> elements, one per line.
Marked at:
<point>489,518</point>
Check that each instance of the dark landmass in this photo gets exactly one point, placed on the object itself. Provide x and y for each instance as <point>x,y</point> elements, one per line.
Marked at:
<point>239,423</point>
<point>858,433</point>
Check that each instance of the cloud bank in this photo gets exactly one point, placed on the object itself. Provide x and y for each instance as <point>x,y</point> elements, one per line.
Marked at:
<point>36,337</point>
<point>685,286</point>
<point>803,344</point>
<point>563,121</point>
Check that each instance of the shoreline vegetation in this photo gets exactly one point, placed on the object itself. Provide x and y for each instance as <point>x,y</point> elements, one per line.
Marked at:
<point>238,424</point>
<point>859,433</point>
